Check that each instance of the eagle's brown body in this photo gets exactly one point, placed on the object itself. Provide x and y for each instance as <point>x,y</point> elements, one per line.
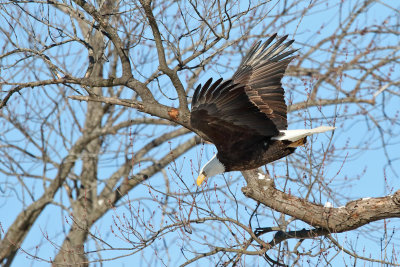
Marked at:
<point>258,156</point>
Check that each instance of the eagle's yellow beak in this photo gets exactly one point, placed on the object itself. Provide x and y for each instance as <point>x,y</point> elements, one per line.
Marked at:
<point>200,179</point>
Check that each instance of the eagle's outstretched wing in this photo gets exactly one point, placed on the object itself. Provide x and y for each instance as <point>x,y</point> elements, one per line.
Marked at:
<point>249,105</point>
<point>224,114</point>
<point>261,71</point>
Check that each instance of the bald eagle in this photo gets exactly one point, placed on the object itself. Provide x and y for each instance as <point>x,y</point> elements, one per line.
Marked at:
<point>245,116</point>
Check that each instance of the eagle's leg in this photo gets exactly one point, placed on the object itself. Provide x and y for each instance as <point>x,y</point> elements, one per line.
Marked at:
<point>300,142</point>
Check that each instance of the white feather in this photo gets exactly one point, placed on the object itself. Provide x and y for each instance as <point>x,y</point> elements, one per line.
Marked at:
<point>294,135</point>
<point>212,167</point>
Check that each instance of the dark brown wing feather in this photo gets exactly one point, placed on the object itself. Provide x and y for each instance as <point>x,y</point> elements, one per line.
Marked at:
<point>224,114</point>
<point>249,105</point>
<point>261,71</point>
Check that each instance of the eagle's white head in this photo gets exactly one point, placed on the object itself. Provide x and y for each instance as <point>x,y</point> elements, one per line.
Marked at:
<point>211,168</point>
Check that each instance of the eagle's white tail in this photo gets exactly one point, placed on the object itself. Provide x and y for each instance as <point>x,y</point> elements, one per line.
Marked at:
<point>294,135</point>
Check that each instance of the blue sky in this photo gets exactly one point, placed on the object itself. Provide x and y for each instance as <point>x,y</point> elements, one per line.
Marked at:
<point>375,178</point>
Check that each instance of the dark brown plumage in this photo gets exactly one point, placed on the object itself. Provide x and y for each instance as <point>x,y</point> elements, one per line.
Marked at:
<point>245,117</point>
<point>241,115</point>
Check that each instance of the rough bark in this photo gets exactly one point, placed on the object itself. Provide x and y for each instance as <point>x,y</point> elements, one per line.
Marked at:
<point>354,214</point>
